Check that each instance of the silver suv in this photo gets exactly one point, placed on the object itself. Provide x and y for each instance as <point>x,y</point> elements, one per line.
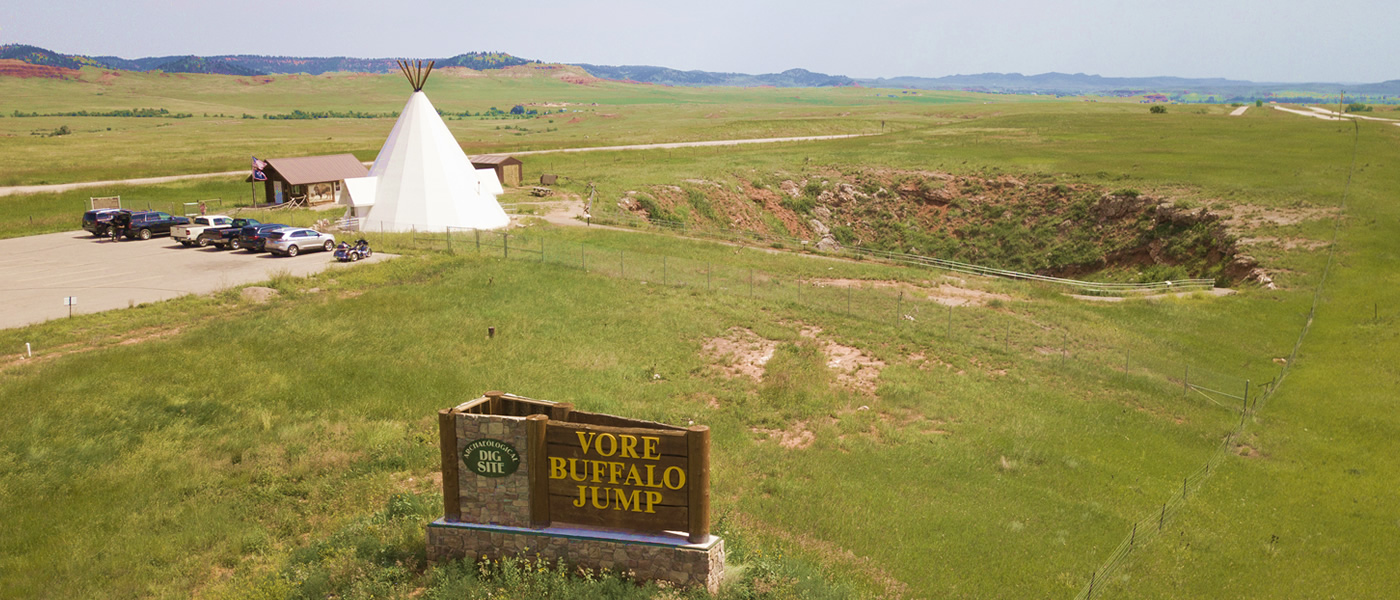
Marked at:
<point>294,240</point>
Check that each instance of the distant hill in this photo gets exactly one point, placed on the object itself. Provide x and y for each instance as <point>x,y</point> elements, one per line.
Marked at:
<point>1080,84</point>
<point>1060,84</point>
<point>665,76</point>
<point>246,65</point>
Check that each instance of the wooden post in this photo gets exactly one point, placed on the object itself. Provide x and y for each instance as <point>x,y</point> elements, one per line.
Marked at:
<point>1246,395</point>
<point>560,411</point>
<point>535,427</point>
<point>698,444</point>
<point>447,443</point>
<point>541,250</point>
<point>1185,380</point>
<point>505,245</point>
<point>478,240</point>
<point>494,406</point>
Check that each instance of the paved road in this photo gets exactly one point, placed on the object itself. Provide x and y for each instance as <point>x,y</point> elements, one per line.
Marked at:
<point>63,187</point>
<point>38,272</point>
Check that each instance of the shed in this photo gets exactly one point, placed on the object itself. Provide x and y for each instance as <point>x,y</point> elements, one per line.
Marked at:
<point>508,168</point>
<point>313,180</point>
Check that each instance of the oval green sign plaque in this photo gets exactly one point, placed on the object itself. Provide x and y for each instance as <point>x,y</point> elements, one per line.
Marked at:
<point>491,458</point>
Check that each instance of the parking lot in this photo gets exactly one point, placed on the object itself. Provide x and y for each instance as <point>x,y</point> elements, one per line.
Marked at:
<point>37,273</point>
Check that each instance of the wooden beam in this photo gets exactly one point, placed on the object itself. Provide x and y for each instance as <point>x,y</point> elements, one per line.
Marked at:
<point>447,443</point>
<point>535,426</point>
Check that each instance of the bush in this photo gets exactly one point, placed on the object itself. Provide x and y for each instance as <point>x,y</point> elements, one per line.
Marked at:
<point>1158,110</point>
<point>1356,107</point>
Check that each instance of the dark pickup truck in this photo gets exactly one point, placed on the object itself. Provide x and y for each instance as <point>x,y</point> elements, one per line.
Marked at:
<point>226,237</point>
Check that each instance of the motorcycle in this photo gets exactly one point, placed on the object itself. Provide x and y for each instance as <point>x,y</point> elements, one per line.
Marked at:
<point>348,253</point>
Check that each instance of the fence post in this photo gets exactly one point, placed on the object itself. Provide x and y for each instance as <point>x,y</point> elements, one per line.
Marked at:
<point>1162,519</point>
<point>899,308</point>
<point>478,240</point>
<point>1246,396</point>
<point>582,256</point>
<point>505,246</point>
<point>848,300</point>
<point>1185,380</point>
<point>1183,488</point>
<point>449,240</point>
<point>541,250</point>
<point>709,267</point>
<point>1007,342</point>
<point>1133,538</point>
<point>663,270</point>
<point>950,320</point>
<point>1064,355</point>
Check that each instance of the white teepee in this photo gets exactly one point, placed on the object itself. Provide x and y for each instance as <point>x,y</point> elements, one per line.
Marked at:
<point>422,180</point>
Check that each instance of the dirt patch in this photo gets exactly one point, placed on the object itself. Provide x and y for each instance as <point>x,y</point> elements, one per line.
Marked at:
<point>1243,218</point>
<point>942,293</point>
<point>740,353</point>
<point>796,437</point>
<point>574,120</point>
<point>854,368</point>
<point>1284,243</point>
<point>146,335</point>
<point>17,68</point>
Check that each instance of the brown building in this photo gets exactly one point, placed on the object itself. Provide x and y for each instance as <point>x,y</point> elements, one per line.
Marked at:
<point>310,180</point>
<point>508,168</point>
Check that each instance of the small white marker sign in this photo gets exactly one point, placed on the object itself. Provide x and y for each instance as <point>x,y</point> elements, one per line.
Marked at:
<point>70,300</point>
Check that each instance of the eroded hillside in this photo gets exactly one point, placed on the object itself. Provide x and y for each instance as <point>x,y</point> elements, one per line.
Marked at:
<point>1062,229</point>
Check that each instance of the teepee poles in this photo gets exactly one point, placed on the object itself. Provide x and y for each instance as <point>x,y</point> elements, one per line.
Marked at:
<point>416,74</point>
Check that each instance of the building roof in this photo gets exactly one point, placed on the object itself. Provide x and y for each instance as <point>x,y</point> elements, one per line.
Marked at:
<point>317,169</point>
<point>493,159</point>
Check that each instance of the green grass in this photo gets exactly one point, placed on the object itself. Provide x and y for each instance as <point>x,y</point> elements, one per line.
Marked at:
<point>221,470</point>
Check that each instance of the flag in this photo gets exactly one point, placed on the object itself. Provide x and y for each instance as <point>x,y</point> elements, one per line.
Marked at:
<point>259,165</point>
<point>258,175</point>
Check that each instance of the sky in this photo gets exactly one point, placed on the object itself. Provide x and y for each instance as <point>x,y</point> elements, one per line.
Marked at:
<point>1258,40</point>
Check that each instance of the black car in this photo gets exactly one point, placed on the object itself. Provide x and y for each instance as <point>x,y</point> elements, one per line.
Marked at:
<point>253,238</point>
<point>145,224</point>
<point>95,221</point>
<point>225,237</point>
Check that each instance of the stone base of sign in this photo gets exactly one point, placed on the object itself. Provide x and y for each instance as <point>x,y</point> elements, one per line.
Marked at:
<point>647,557</point>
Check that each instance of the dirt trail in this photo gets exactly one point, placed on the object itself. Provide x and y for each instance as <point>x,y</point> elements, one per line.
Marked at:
<point>64,187</point>
<point>1238,111</point>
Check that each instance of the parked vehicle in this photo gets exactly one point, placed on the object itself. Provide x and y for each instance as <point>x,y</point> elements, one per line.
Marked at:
<point>293,241</point>
<point>348,253</point>
<point>225,237</point>
<point>253,238</point>
<point>95,221</point>
<point>146,224</point>
<point>188,235</point>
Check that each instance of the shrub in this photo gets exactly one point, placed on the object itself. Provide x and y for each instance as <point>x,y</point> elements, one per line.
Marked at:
<point>1158,110</point>
<point>1356,107</point>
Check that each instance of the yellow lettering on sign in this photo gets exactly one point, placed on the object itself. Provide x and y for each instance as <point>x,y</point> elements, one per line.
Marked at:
<point>573,471</point>
<point>680,477</point>
<point>612,444</point>
<point>629,446</point>
<point>649,445</point>
<point>556,468</point>
<point>652,499</point>
<point>632,476</point>
<point>627,501</point>
<point>584,439</point>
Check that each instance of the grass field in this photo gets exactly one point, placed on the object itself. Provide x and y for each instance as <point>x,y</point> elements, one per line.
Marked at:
<point>158,452</point>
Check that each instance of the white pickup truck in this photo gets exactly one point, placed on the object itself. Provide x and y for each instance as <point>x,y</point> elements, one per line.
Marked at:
<point>188,235</point>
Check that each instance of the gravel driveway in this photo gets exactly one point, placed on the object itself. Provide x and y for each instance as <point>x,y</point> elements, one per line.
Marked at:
<point>38,272</point>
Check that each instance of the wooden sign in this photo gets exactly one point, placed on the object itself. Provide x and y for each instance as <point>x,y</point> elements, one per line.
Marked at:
<point>584,468</point>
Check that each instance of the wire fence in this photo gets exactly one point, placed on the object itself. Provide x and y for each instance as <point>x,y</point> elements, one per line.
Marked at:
<point>616,216</point>
<point>938,313</point>
<point>1148,527</point>
<point>915,310</point>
